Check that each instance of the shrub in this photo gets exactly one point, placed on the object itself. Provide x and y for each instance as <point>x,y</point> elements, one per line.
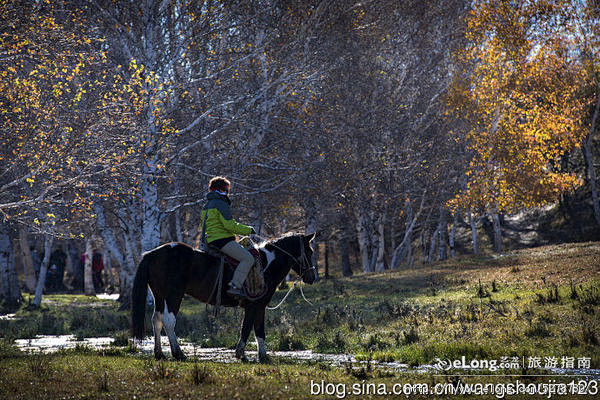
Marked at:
<point>539,329</point>
<point>121,339</point>
<point>412,336</point>
<point>590,296</point>
<point>199,374</point>
<point>289,342</point>
<point>336,344</point>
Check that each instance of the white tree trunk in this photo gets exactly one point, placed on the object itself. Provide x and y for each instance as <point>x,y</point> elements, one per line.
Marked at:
<point>150,212</point>
<point>409,253</point>
<point>127,266</point>
<point>393,234</point>
<point>452,235</point>
<point>107,236</point>
<point>311,227</point>
<point>28,267</point>
<point>364,240</point>
<point>39,291</point>
<point>473,224</point>
<point>10,292</point>
<point>151,221</point>
<point>443,234</point>
<point>423,244</point>
<point>374,241</point>
<point>127,273</point>
<point>586,147</point>
<point>88,282</point>
<point>70,262</point>
<point>587,152</point>
<point>344,247</point>
<point>380,261</point>
<point>404,250</point>
<point>345,255</point>
<point>497,232</point>
<point>433,245</point>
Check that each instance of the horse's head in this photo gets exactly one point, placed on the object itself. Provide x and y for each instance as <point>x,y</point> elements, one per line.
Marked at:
<point>297,252</point>
<point>303,267</point>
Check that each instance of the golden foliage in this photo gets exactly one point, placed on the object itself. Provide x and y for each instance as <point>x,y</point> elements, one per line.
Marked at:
<point>517,88</point>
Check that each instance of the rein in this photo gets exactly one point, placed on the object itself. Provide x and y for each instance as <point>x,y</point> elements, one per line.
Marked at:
<point>287,294</point>
<point>284,297</point>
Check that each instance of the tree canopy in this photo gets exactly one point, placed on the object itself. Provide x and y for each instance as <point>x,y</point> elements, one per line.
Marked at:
<point>370,122</point>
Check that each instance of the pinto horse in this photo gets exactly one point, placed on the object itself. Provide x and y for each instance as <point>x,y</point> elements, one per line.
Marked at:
<point>175,269</point>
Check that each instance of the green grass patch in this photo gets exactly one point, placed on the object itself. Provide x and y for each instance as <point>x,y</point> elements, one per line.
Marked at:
<point>543,301</point>
<point>83,374</point>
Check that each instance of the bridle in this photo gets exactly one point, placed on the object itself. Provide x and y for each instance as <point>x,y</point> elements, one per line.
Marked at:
<point>302,260</point>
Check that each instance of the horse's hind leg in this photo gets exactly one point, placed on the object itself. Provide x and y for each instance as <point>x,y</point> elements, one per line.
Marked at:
<point>169,320</point>
<point>157,324</point>
<point>249,313</point>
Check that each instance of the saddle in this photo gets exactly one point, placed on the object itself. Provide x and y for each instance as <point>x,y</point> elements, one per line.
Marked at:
<point>254,285</point>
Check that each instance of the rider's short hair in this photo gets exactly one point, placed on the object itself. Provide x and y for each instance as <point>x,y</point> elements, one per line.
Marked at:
<point>218,183</point>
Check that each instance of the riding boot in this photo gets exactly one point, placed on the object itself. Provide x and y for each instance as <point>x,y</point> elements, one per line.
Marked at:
<point>235,292</point>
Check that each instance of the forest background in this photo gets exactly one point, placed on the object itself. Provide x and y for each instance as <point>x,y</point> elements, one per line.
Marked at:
<point>399,131</point>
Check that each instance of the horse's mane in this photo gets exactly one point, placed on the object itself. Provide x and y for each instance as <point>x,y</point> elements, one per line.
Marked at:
<point>285,236</point>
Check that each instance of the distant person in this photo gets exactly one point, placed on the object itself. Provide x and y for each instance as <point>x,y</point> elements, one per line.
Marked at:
<point>78,274</point>
<point>51,278</point>
<point>97,268</point>
<point>58,260</point>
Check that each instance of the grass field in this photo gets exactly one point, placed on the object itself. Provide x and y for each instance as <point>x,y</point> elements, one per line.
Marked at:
<point>83,374</point>
<point>529,302</point>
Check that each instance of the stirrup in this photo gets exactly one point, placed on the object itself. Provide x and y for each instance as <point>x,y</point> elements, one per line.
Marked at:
<point>236,292</point>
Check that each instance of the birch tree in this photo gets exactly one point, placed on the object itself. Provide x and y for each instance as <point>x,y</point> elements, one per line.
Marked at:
<point>10,292</point>
<point>29,270</point>
<point>41,282</point>
<point>518,86</point>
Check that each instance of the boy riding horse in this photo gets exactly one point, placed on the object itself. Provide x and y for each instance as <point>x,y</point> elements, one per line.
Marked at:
<point>219,230</point>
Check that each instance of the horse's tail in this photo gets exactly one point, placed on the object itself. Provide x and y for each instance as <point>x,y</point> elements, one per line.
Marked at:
<point>138,299</point>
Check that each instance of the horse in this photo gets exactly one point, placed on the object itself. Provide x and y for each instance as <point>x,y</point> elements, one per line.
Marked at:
<point>175,269</point>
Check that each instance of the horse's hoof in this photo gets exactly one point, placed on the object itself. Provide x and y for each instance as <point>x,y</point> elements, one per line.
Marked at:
<point>264,359</point>
<point>244,359</point>
<point>159,356</point>
<point>180,356</point>
<point>239,353</point>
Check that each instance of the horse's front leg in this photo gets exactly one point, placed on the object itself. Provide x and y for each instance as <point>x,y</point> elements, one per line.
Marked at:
<point>249,313</point>
<point>259,333</point>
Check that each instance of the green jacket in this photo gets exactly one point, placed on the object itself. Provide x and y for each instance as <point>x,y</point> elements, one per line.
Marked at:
<point>219,222</point>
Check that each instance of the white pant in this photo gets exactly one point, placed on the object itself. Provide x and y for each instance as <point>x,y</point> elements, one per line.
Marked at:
<point>235,250</point>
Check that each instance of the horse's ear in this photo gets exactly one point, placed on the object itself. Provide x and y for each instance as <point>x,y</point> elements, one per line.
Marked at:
<point>309,238</point>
